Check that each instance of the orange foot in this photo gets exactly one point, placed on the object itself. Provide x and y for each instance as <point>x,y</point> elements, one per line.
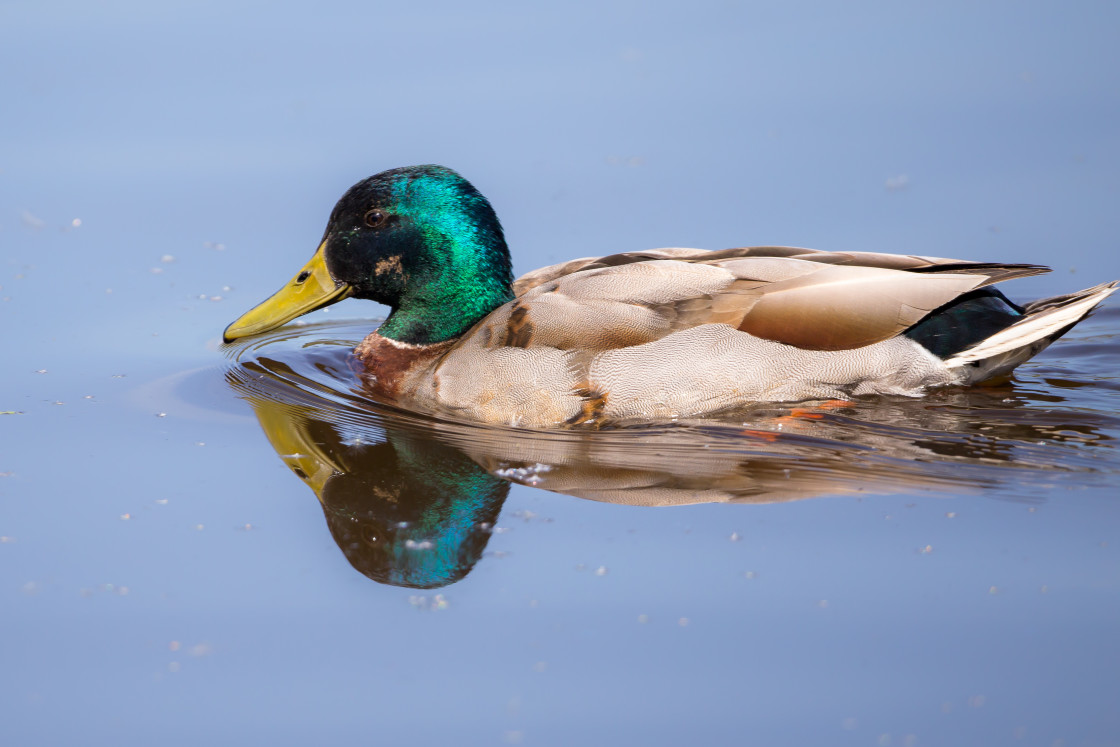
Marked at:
<point>809,414</point>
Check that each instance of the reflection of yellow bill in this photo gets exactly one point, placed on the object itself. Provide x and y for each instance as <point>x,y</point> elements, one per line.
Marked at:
<point>287,432</point>
<point>313,288</point>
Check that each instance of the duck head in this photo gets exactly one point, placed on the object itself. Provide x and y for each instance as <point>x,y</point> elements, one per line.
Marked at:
<point>421,240</point>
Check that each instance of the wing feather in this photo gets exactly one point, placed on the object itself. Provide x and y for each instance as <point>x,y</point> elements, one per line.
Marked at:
<point>808,299</point>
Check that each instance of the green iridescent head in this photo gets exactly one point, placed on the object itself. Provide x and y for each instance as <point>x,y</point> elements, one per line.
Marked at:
<point>421,240</point>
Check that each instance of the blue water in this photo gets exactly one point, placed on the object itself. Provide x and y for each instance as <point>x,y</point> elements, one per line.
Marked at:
<point>937,572</point>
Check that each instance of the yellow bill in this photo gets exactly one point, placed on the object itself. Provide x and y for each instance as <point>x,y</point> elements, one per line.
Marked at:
<point>313,288</point>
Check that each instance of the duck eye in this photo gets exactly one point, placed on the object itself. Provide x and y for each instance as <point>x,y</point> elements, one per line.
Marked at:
<point>303,276</point>
<point>374,218</point>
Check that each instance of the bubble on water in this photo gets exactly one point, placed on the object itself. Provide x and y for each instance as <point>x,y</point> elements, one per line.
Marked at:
<point>126,517</point>
<point>601,570</point>
<point>896,183</point>
<point>41,371</point>
<point>436,603</point>
<point>31,220</point>
<point>530,475</point>
<point>167,259</point>
<point>735,537</point>
<point>161,414</point>
<point>173,646</point>
<point>76,223</point>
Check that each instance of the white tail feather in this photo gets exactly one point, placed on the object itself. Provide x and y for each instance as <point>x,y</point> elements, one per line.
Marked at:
<point>1006,349</point>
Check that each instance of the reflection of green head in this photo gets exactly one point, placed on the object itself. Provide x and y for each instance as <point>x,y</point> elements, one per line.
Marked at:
<point>404,508</point>
<point>412,513</point>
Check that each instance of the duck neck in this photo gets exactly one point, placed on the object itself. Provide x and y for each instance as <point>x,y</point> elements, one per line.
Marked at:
<point>460,281</point>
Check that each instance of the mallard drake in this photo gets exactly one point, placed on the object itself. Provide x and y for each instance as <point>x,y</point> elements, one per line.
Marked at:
<point>645,335</point>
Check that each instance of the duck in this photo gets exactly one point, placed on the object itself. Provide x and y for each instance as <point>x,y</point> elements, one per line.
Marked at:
<point>645,336</point>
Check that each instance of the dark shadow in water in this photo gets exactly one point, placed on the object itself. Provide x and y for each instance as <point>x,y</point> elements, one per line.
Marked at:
<point>411,499</point>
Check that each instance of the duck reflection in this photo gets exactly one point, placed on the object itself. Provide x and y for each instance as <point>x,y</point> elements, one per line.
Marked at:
<point>404,510</point>
<point>411,500</point>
